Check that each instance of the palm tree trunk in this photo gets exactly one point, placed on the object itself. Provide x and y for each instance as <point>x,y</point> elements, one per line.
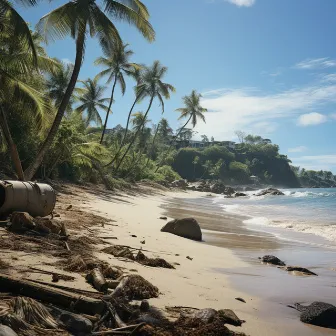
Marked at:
<point>12,147</point>
<point>171,144</point>
<point>31,170</point>
<point>108,111</point>
<point>135,136</point>
<point>154,138</point>
<point>125,133</point>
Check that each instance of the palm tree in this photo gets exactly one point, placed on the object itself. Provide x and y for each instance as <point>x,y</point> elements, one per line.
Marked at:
<point>22,62</point>
<point>57,83</point>
<point>150,85</point>
<point>192,110</point>
<point>77,19</point>
<point>116,64</point>
<point>90,99</point>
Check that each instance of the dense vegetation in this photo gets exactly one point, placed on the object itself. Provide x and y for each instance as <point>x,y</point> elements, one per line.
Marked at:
<point>53,124</point>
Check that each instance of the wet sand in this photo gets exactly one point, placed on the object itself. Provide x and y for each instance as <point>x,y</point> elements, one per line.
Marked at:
<point>275,287</point>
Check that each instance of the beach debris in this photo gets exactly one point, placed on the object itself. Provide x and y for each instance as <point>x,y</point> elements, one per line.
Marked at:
<point>163,217</point>
<point>270,191</point>
<point>143,242</point>
<point>240,299</point>
<point>119,251</point>
<point>144,306</point>
<point>46,225</point>
<point>152,262</point>
<point>68,207</point>
<point>318,313</point>
<point>227,316</point>
<point>75,323</point>
<point>135,287</point>
<point>189,258</point>
<point>21,222</point>
<point>112,272</point>
<point>97,280</point>
<point>49,294</point>
<point>64,231</point>
<point>299,270</point>
<point>55,275</point>
<point>186,227</point>
<point>270,259</point>
<point>24,314</point>
<point>6,331</point>
<point>4,264</point>
<point>134,236</point>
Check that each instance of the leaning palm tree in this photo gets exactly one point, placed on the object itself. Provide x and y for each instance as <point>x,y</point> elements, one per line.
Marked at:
<point>22,62</point>
<point>116,64</point>
<point>78,19</point>
<point>90,100</point>
<point>193,111</point>
<point>150,85</point>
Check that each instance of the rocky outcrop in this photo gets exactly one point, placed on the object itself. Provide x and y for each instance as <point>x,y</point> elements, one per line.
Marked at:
<point>300,270</point>
<point>179,184</point>
<point>186,227</point>
<point>270,191</point>
<point>318,313</point>
<point>270,259</point>
<point>218,188</point>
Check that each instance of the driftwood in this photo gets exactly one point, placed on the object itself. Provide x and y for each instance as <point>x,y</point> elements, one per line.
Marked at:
<point>47,294</point>
<point>60,275</point>
<point>97,279</point>
<point>70,289</point>
<point>67,246</point>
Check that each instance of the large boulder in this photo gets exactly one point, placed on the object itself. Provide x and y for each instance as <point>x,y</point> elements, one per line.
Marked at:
<point>229,191</point>
<point>270,191</point>
<point>239,194</point>
<point>186,227</point>
<point>318,313</point>
<point>270,259</point>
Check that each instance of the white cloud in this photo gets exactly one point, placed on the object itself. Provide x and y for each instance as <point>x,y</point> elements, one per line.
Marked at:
<point>298,149</point>
<point>329,78</point>
<point>242,3</point>
<point>316,63</point>
<point>247,108</point>
<point>316,162</point>
<point>310,119</point>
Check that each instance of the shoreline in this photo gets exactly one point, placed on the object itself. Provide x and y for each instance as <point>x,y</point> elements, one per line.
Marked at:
<point>216,275</point>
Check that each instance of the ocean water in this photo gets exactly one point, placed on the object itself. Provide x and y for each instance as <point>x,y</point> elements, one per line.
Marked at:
<point>310,211</point>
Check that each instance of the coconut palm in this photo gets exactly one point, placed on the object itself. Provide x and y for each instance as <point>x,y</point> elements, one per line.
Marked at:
<point>57,83</point>
<point>90,99</point>
<point>150,85</point>
<point>21,67</point>
<point>192,110</point>
<point>116,64</point>
<point>78,19</point>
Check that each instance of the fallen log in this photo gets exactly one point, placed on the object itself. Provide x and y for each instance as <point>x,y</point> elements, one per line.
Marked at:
<point>60,275</point>
<point>47,294</point>
<point>97,280</point>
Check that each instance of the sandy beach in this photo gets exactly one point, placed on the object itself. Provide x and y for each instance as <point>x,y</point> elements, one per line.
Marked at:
<point>216,275</point>
<point>223,267</point>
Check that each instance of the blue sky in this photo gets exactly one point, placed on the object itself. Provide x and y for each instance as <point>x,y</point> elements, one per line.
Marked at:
<point>266,67</point>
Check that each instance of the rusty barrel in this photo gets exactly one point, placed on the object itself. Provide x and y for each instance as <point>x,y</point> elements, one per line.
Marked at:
<point>38,199</point>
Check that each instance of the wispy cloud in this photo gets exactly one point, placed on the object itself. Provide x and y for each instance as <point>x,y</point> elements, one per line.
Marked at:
<point>298,149</point>
<point>316,63</point>
<point>329,78</point>
<point>310,119</point>
<point>248,109</point>
<point>316,162</point>
<point>242,3</point>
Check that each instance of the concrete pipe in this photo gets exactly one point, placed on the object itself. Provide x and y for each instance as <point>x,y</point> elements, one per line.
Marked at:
<point>38,199</point>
